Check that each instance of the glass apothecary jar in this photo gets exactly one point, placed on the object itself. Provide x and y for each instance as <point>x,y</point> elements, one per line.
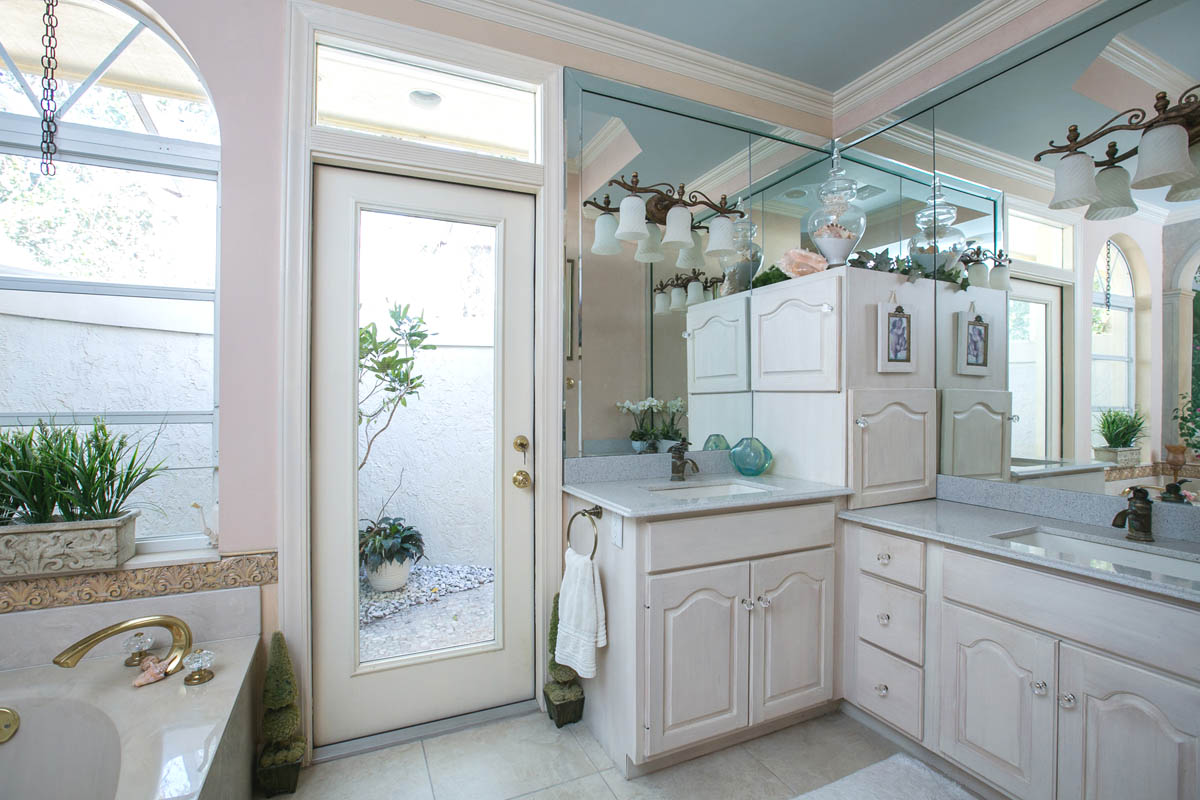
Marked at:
<point>838,225</point>
<point>937,243</point>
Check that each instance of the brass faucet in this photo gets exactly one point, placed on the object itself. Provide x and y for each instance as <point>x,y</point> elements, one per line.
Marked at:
<point>181,640</point>
<point>679,460</point>
<point>1138,515</point>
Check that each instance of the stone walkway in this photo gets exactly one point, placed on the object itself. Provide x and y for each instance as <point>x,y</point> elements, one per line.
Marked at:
<point>460,618</point>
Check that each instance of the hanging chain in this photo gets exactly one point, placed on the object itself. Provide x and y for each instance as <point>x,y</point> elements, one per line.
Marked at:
<point>1108,275</point>
<point>49,85</point>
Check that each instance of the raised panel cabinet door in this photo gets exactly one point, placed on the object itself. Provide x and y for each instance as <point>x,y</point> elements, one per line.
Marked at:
<point>718,346</point>
<point>791,633</point>
<point>976,434</point>
<point>1124,731</point>
<point>997,701</point>
<point>893,445</point>
<point>795,331</point>
<point>698,641</point>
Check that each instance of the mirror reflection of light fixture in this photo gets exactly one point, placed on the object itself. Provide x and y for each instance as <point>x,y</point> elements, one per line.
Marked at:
<point>1189,189</point>
<point>1163,158</point>
<point>650,249</point>
<point>695,292</point>
<point>605,242</point>
<point>1115,201</point>
<point>632,227</point>
<point>679,227</point>
<point>691,257</point>
<point>661,300</point>
<point>1074,182</point>
<point>720,237</point>
<point>661,204</point>
<point>678,298</point>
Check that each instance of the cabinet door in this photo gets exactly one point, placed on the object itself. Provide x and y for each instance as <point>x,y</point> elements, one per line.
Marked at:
<point>718,346</point>
<point>795,329</point>
<point>997,701</point>
<point>893,439</point>
<point>976,434</point>
<point>1124,731</point>
<point>698,644</point>
<point>791,633</point>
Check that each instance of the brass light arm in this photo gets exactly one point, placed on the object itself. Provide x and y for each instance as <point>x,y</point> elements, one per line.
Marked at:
<point>181,640</point>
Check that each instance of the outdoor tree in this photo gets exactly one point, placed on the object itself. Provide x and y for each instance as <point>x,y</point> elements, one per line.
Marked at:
<point>386,367</point>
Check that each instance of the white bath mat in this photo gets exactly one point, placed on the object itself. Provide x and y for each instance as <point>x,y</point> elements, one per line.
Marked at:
<point>900,777</point>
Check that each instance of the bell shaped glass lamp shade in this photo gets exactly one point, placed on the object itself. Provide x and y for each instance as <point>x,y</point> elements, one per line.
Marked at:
<point>605,243</point>
<point>695,293</point>
<point>679,227</point>
<point>999,278</point>
<point>708,294</point>
<point>977,274</point>
<point>1115,200</point>
<point>678,298</point>
<point>660,304</point>
<point>691,257</point>
<point>1190,189</point>
<point>633,220</point>
<point>650,249</point>
<point>1074,182</point>
<point>1163,158</point>
<point>720,237</point>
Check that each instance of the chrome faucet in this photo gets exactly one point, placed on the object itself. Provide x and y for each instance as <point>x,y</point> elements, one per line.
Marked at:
<point>1137,515</point>
<point>181,640</point>
<point>679,460</point>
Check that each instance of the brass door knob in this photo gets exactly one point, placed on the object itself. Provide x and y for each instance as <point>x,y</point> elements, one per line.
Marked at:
<point>522,480</point>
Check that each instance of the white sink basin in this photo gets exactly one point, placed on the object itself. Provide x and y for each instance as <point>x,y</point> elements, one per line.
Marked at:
<point>1063,546</point>
<point>708,490</point>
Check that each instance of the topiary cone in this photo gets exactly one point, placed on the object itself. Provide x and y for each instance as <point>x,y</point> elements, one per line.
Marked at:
<point>563,694</point>
<point>279,763</point>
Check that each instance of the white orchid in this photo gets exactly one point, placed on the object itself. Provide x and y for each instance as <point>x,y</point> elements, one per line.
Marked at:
<point>643,412</point>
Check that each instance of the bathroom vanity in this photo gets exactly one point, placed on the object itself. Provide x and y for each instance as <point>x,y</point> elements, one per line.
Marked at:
<point>719,596</point>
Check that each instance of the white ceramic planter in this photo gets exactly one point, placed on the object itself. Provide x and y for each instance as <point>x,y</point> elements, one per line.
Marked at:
<point>63,548</point>
<point>390,576</point>
<point>1121,456</point>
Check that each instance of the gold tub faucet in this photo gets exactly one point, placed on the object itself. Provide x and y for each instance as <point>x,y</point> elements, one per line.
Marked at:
<point>181,640</point>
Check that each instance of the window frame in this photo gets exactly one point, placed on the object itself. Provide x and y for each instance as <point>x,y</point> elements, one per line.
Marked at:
<point>89,145</point>
<point>1127,304</point>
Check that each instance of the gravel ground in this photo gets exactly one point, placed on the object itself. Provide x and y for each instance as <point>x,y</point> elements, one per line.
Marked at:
<point>427,583</point>
<point>464,617</point>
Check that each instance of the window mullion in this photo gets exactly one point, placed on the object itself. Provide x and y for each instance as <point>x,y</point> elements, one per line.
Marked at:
<point>100,69</point>
<point>19,77</point>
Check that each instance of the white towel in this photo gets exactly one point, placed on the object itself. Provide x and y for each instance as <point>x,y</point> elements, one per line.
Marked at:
<point>581,626</point>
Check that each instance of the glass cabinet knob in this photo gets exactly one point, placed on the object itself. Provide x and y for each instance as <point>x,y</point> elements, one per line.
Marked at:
<point>881,689</point>
<point>1066,701</point>
<point>1039,687</point>
<point>883,558</point>
<point>883,617</point>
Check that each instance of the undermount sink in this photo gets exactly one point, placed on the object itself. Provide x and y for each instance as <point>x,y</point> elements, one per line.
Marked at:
<point>708,490</point>
<point>1063,546</point>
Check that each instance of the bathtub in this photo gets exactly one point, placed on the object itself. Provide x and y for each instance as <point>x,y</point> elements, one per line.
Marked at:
<point>87,733</point>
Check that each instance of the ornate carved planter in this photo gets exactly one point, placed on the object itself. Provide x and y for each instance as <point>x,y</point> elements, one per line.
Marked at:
<point>63,548</point>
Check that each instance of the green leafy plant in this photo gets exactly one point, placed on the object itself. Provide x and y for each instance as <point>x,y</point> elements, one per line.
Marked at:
<point>388,540</point>
<point>1119,428</point>
<point>564,695</point>
<point>387,365</point>
<point>279,762</point>
<point>772,274</point>
<point>1187,416</point>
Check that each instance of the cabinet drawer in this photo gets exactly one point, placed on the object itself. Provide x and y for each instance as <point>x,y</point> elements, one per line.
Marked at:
<point>892,557</point>
<point>890,689</point>
<point>676,543</point>
<point>892,618</point>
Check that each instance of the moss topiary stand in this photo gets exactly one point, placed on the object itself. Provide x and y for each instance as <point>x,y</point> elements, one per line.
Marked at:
<point>563,694</point>
<point>279,764</point>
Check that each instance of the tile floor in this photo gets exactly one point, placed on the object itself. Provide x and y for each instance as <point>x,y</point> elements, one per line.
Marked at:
<point>528,757</point>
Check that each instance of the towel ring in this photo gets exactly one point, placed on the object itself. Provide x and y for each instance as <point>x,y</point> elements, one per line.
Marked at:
<point>590,515</point>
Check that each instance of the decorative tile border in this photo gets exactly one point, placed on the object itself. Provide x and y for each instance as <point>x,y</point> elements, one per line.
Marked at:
<point>1150,471</point>
<point>253,569</point>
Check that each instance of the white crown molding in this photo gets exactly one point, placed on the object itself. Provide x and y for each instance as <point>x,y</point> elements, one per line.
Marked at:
<point>1183,214</point>
<point>609,132</point>
<point>612,38</point>
<point>1145,65</point>
<point>960,32</point>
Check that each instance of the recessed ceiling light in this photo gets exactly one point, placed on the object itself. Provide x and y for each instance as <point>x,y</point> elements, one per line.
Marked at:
<point>867,191</point>
<point>794,194</point>
<point>424,98</point>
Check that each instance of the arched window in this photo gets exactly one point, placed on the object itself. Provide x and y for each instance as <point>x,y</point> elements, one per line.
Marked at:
<point>1113,328</point>
<point>108,268</point>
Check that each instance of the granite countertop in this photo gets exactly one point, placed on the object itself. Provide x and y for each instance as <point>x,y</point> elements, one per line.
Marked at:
<point>661,497</point>
<point>982,529</point>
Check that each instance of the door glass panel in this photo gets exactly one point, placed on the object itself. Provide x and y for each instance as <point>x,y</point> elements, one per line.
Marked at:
<point>426,432</point>
<point>1028,374</point>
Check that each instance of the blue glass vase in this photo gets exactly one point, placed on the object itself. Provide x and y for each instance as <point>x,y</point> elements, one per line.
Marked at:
<point>750,456</point>
<point>716,441</point>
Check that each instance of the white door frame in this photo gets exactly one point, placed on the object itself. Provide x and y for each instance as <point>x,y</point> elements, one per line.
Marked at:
<point>307,145</point>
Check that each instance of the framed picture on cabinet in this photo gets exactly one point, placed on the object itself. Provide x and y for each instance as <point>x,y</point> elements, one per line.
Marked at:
<point>894,349</point>
<point>974,343</point>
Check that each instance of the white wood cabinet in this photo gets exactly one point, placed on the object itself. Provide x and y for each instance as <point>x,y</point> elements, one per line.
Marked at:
<point>791,633</point>
<point>997,701</point>
<point>718,348</point>
<point>892,445</point>
<point>976,433</point>
<point>697,654</point>
<point>795,331</point>
<point>1124,731</point>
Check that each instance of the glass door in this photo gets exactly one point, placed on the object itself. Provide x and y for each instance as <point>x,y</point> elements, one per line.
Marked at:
<point>1035,369</point>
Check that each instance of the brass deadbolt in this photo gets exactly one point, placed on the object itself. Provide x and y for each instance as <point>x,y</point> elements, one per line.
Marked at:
<point>10,721</point>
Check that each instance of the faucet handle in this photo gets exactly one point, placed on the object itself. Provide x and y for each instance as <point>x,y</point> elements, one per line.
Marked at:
<point>137,645</point>
<point>198,662</point>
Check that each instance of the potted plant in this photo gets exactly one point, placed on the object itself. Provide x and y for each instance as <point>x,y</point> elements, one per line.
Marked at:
<point>643,412</point>
<point>283,747</point>
<point>1187,417</point>
<point>563,694</point>
<point>387,549</point>
<point>1121,431</point>
<point>65,498</point>
<point>669,432</point>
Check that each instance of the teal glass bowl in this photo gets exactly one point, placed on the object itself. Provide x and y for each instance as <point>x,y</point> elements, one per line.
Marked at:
<point>750,456</point>
<point>716,441</point>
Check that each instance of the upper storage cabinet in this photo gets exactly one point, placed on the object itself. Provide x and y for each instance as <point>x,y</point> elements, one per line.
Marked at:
<point>718,351</point>
<point>893,439</point>
<point>795,335</point>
